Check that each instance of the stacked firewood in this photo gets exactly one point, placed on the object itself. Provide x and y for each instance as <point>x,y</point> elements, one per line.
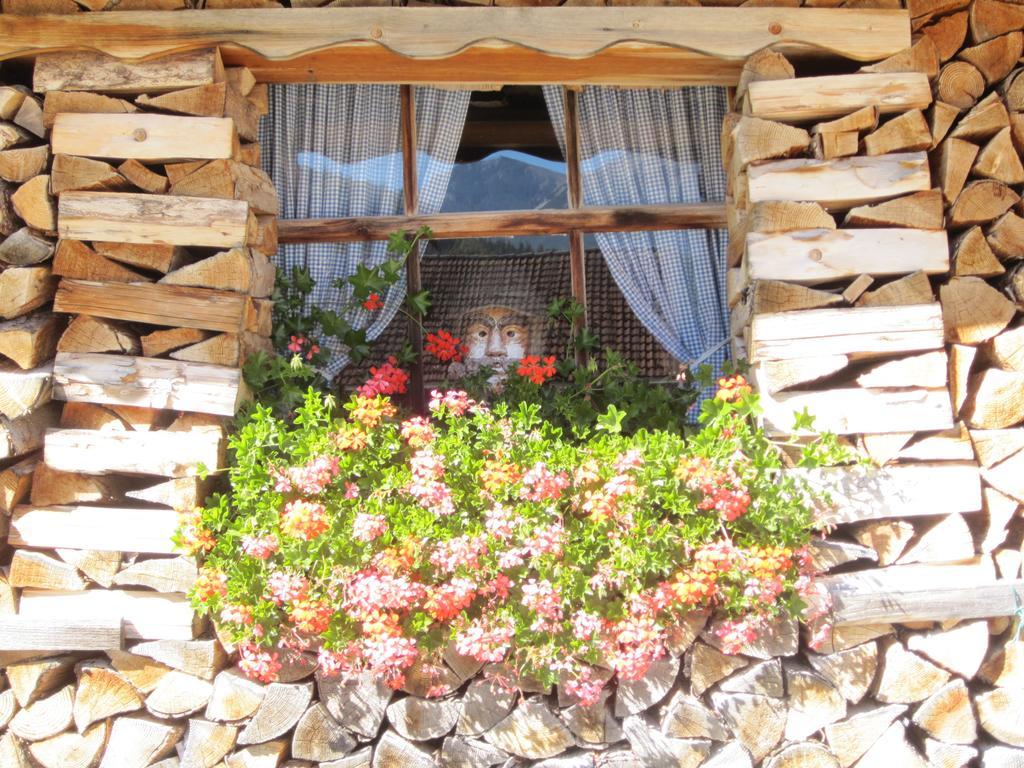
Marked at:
<point>136,275</point>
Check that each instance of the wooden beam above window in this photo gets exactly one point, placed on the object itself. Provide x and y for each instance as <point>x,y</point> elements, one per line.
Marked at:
<point>506,223</point>
<point>569,45</point>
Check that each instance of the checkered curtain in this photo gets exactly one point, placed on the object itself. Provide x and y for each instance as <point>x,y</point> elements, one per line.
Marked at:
<point>646,147</point>
<point>335,151</point>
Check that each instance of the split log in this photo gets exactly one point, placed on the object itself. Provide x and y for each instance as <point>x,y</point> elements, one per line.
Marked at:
<point>199,658</point>
<point>419,719</point>
<point>981,202</point>
<point>30,116</point>
<point>995,58</point>
<point>827,146</point>
<point>485,703</point>
<point>71,750</point>
<point>856,289</point>
<point>24,247</point>
<point>945,755</point>
<point>961,358</point>
<point>97,565</point>
<point>207,743</point>
<point>996,400</point>
<point>906,678</point>
<point>687,718</point>
<point>763,679</point>
<point>884,448</point>
<point>851,671</point>
<point>950,445</point>
<point>709,666</point>
<point>861,332</point>
<point>23,391</point>
<point>992,446</point>
<point>156,256</point>
<point>97,528</point>
<point>906,133</point>
<point>12,135</point>
<point>819,256</point>
<point>148,382</point>
<point>860,121</point>
<point>912,289</point>
<point>15,483</point>
<point>34,569</point>
<point>23,289</point>
<point>928,370</point>
<point>198,101</point>
<point>28,341</point>
<point>92,334</point>
<point>70,172</point>
<point>10,101</point>
<point>949,540</point>
<point>758,722</point>
<point>46,717</point>
<point>753,139</point>
<point>813,704</point>
<point>922,210</point>
<point>171,454</point>
<point>143,178</point>
<point>89,71</point>
<point>236,181</point>
<point>243,114</point>
<point>146,615</point>
<point>163,574</point>
<point>243,270</point>
<point>961,649</point>
<point>893,748</point>
<point>144,674</point>
<point>771,296</point>
<point>178,171</point>
<point>136,742</point>
<point>161,342</point>
<point>973,256</point>
<point>850,739</point>
<point>956,158</point>
<point>999,160</point>
<point>778,375</point>
<point>822,98</point>
<point>1012,91</point>
<point>32,680</point>
<point>990,19</point>
<point>102,693</point>
<point>922,56</point>
<point>33,203</point>
<point>144,137</point>
<point>973,311</point>
<point>57,102</point>
<point>236,697</point>
<point>178,695</point>
<point>960,84</point>
<point>20,165</point>
<point>278,713</point>
<point>1000,712</point>
<point>25,433</point>
<point>1006,477</point>
<point>947,35</point>
<point>77,260</point>
<point>177,493</point>
<point>134,218</point>
<point>13,752</point>
<point>983,121</point>
<point>90,416</point>
<point>167,305</point>
<point>841,183</point>
<point>802,755</point>
<point>764,64</point>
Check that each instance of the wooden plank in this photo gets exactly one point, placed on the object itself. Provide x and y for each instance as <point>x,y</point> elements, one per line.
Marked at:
<point>450,226</point>
<point>522,45</point>
<point>59,633</point>
<point>853,410</point>
<point>137,218</point>
<point>144,137</point>
<point>840,183</point>
<point>107,529</point>
<point>823,255</point>
<point>146,615</point>
<point>808,99</point>
<point>169,454</point>
<point>905,490</point>
<point>147,382</point>
<point>855,331</point>
<point>92,71</point>
<point>919,593</point>
<point>157,304</point>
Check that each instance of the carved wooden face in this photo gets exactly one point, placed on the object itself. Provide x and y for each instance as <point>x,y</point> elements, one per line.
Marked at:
<point>495,335</point>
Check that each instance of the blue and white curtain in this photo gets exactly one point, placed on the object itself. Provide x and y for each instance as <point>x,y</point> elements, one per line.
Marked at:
<point>335,151</point>
<point>647,147</point>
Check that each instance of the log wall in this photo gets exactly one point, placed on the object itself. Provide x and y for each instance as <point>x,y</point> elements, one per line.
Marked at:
<point>875,230</point>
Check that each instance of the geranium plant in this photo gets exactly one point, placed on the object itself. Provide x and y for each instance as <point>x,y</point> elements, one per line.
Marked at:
<point>377,541</point>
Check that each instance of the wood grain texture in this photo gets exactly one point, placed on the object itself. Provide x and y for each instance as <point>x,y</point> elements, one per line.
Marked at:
<point>360,44</point>
<point>58,633</point>
<point>822,255</point>
<point>147,615</point>
<point>92,71</point>
<point>808,99</point>
<point>148,382</point>
<point>168,454</point>
<point>106,529</point>
<point>141,136</point>
<point>137,218</point>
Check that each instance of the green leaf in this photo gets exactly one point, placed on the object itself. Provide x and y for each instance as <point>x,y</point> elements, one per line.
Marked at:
<point>611,420</point>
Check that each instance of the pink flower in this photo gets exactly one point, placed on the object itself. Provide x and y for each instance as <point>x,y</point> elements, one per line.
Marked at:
<point>236,614</point>
<point>296,343</point>
<point>286,587</point>
<point>541,484</point>
<point>385,379</point>
<point>636,643</point>
<point>304,519</point>
<point>735,635</point>
<point>418,432</point>
<point>260,547</point>
<point>498,523</point>
<point>485,641</point>
<point>258,664</point>
<point>586,687</point>
<point>369,592</point>
<point>310,478</point>
<point>351,490</point>
<point>547,540</point>
<point>461,551</point>
<point>586,625</point>
<point>446,601</point>
<point>541,597</point>
<point>367,527</point>
<point>311,616</point>
<point>389,656</point>
<point>455,402</point>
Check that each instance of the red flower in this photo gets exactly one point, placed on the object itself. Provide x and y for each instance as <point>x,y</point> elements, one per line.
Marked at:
<point>373,302</point>
<point>532,368</point>
<point>732,388</point>
<point>387,379</point>
<point>445,347</point>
